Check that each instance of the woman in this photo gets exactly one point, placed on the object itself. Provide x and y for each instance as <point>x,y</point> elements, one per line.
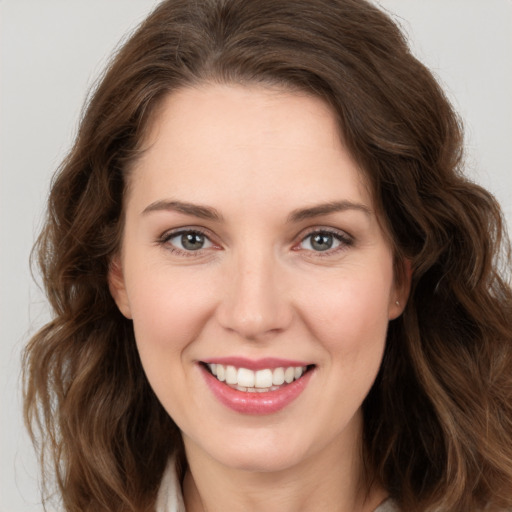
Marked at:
<point>273,287</point>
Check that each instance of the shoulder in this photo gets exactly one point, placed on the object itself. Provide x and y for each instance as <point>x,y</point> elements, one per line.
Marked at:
<point>388,506</point>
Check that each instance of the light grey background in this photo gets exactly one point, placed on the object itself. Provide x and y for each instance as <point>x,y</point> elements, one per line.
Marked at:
<point>51,51</point>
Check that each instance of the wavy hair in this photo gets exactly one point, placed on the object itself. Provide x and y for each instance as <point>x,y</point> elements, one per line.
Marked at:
<point>438,420</point>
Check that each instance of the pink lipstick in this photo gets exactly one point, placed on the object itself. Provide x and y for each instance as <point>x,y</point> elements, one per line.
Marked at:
<point>262,396</point>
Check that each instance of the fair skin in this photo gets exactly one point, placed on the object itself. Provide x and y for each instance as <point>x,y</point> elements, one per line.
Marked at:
<point>226,255</point>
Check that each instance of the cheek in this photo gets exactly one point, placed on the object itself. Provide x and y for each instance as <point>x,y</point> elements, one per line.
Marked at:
<point>350,311</point>
<point>169,309</point>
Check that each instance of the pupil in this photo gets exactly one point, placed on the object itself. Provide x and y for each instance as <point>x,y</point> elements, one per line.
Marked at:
<point>321,242</point>
<point>192,241</point>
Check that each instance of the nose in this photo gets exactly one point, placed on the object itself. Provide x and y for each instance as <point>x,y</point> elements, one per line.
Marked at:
<point>255,302</point>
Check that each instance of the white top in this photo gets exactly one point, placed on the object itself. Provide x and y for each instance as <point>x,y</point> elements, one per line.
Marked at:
<point>170,498</point>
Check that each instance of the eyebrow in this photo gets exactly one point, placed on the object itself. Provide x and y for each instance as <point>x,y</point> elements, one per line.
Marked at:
<point>203,212</point>
<point>326,209</point>
<point>209,213</point>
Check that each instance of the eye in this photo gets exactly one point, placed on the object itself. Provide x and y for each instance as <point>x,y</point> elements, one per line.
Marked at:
<point>187,241</point>
<point>325,241</point>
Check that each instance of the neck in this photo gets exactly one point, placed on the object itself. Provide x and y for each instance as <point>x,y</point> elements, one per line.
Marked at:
<point>331,480</point>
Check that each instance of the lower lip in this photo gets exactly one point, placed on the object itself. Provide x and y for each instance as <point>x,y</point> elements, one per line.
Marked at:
<point>267,402</point>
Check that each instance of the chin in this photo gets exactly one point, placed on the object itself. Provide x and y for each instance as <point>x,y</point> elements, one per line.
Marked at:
<point>260,463</point>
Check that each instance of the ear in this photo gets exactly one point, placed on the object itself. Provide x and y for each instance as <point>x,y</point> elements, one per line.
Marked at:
<point>402,288</point>
<point>117,287</point>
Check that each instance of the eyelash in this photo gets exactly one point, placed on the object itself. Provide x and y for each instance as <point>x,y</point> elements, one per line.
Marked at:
<point>344,239</point>
<point>169,235</point>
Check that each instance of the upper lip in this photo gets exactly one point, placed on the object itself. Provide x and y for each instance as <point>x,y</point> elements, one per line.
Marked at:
<point>255,364</point>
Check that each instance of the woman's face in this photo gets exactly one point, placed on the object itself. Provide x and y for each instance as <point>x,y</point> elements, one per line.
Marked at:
<point>252,246</point>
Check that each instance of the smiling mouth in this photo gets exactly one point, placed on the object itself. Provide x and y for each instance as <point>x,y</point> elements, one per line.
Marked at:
<point>259,381</point>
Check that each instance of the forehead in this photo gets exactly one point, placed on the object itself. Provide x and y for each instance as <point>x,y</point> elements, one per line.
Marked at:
<point>245,108</point>
<point>252,139</point>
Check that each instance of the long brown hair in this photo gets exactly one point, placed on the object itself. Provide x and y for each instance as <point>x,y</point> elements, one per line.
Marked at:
<point>438,420</point>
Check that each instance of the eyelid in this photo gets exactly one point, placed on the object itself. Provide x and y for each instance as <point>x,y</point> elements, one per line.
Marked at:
<point>346,240</point>
<point>170,233</point>
<point>164,238</point>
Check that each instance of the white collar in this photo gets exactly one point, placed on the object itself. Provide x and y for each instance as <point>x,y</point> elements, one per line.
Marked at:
<point>170,497</point>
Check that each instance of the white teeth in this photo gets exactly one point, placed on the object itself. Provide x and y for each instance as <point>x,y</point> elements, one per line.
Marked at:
<point>251,381</point>
<point>221,373</point>
<point>263,379</point>
<point>278,377</point>
<point>231,375</point>
<point>246,378</point>
<point>289,374</point>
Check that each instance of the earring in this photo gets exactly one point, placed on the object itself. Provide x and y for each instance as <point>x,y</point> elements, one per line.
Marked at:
<point>397,302</point>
